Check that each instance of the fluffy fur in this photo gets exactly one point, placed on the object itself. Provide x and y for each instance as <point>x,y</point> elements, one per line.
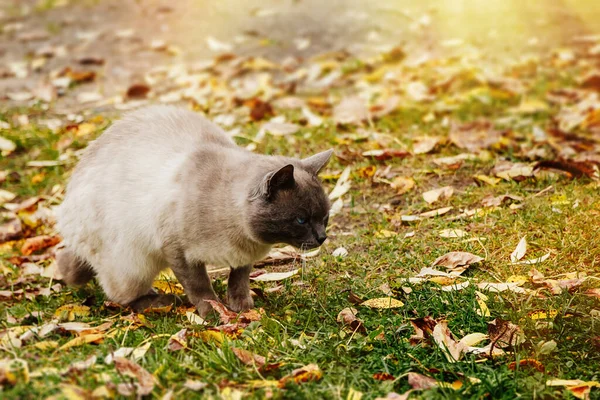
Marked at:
<point>166,187</point>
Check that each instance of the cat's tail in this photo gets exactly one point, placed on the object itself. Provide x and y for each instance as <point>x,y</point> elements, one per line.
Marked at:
<point>74,270</point>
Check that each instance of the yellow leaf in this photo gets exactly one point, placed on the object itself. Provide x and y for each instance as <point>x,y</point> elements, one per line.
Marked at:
<point>14,370</point>
<point>521,279</point>
<point>81,340</point>
<point>168,287</point>
<point>212,336</point>
<point>543,315</point>
<point>259,383</point>
<point>46,345</point>
<point>384,233</point>
<point>71,311</point>
<point>490,180</point>
<point>484,311</point>
<point>403,184</point>
<point>442,280</point>
<point>383,302</point>
<point>354,395</point>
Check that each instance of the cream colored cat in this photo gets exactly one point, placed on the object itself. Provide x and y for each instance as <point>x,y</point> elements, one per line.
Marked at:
<point>166,187</point>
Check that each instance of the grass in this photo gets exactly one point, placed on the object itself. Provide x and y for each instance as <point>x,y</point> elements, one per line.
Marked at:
<point>300,326</point>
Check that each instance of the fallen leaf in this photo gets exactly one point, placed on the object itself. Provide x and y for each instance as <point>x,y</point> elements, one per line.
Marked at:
<point>453,160</point>
<point>168,287</point>
<point>138,91</point>
<point>421,382</point>
<point>425,144</point>
<point>248,357</point>
<point>455,286</point>
<point>194,318</point>
<point>456,262</point>
<point>402,184</point>
<point>348,317</point>
<point>490,201</point>
<point>534,260</point>
<point>519,251</point>
<point>71,311</point>
<point>573,169</point>
<point>340,252</point>
<point>504,333</point>
<point>442,336</point>
<point>474,136</point>
<point>452,233</point>
<point>383,376</point>
<point>435,213</point>
<point>351,110</point>
<point>6,146</point>
<point>145,380</point>
<point>527,362</point>
<point>194,385</point>
<point>38,243</point>
<point>310,372</point>
<point>502,287</point>
<point>435,195</point>
<point>342,186</point>
<point>275,276</point>
<point>383,302</point>
<point>513,171</point>
<point>81,340</point>
<point>11,230</point>
<point>385,154</point>
<point>280,128</point>
<point>178,341</point>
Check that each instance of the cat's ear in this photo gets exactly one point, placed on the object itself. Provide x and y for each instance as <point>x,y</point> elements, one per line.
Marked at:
<point>314,164</point>
<point>283,178</point>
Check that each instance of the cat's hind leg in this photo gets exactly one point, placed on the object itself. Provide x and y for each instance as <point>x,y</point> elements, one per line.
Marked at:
<point>131,284</point>
<point>74,270</point>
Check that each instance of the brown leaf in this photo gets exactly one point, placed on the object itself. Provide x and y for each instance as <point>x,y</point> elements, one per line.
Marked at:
<point>348,317</point>
<point>78,76</point>
<point>573,169</point>
<point>227,315</point>
<point>145,380</point>
<point>310,372</point>
<point>138,91</point>
<point>259,109</point>
<point>351,110</point>
<point>39,242</point>
<point>386,154</point>
<point>474,136</point>
<point>178,341</point>
<point>11,230</point>
<point>442,336</point>
<point>383,376</point>
<point>91,60</point>
<point>249,358</point>
<point>456,261</point>
<point>434,195</point>
<point>423,329</point>
<point>527,362</point>
<point>491,201</point>
<point>504,333</point>
<point>421,382</point>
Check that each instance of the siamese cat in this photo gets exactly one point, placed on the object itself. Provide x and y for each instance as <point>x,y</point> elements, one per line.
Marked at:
<point>165,187</point>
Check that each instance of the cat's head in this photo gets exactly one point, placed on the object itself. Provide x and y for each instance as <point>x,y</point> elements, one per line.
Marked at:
<point>289,204</point>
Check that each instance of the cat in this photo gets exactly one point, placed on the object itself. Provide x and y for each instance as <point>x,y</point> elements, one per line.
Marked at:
<point>165,187</point>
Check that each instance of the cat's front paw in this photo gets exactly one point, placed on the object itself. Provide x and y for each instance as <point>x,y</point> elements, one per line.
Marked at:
<point>239,303</point>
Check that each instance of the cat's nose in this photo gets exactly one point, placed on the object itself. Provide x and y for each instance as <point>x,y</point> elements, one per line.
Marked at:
<point>321,239</point>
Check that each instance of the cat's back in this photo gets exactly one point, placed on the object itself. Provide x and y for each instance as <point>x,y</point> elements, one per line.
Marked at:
<point>164,128</point>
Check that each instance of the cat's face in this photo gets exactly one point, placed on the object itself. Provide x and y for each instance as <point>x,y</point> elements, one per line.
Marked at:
<point>291,206</point>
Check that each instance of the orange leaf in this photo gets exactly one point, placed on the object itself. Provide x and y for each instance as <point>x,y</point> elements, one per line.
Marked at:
<point>39,242</point>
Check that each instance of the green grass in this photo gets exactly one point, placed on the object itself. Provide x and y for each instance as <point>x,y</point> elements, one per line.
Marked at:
<point>300,325</point>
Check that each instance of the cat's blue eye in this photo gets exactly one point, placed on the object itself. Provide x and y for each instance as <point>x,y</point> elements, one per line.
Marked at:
<point>301,220</point>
